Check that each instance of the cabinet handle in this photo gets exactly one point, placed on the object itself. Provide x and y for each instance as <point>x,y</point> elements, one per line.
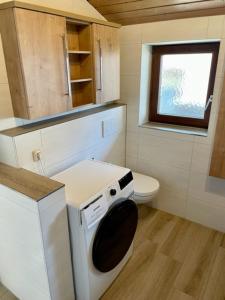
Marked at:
<point>66,63</point>
<point>100,64</point>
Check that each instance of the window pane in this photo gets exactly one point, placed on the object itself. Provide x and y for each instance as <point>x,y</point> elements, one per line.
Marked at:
<point>184,80</point>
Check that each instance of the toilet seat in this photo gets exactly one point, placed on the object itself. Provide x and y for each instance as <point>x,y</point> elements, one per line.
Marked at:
<point>145,186</point>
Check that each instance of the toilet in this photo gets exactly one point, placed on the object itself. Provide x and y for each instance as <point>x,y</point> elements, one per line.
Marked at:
<point>145,188</point>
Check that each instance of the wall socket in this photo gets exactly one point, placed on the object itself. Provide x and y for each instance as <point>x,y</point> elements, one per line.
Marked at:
<point>36,155</point>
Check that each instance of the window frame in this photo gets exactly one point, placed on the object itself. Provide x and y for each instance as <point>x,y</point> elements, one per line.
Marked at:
<point>157,53</point>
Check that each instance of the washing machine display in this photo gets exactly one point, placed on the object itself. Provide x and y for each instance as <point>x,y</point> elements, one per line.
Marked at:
<point>114,235</point>
<point>123,182</point>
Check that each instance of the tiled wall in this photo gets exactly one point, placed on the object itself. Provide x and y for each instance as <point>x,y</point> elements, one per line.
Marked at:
<point>100,136</point>
<point>179,161</point>
<point>15,236</point>
<point>6,113</point>
<point>32,262</point>
<point>55,237</point>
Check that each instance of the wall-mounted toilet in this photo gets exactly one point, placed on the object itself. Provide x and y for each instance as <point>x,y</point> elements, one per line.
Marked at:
<point>145,188</point>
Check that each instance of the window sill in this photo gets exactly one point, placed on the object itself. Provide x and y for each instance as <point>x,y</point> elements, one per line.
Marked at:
<point>177,129</point>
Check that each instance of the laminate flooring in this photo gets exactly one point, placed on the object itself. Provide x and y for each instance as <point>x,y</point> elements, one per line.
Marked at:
<point>173,259</point>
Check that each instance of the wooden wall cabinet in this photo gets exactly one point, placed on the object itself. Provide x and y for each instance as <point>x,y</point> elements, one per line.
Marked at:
<point>217,168</point>
<point>56,62</point>
<point>107,63</point>
<point>33,44</point>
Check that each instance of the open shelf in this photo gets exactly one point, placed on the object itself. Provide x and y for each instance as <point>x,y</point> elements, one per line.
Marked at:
<point>81,80</point>
<point>79,52</point>
<point>80,60</point>
<point>78,37</point>
<point>82,93</point>
<point>80,67</point>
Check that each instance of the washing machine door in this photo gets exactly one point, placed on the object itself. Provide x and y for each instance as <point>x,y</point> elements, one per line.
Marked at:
<point>114,235</point>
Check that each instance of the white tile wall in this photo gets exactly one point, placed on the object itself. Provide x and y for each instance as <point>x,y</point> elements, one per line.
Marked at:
<point>179,161</point>
<point>171,201</point>
<point>67,143</point>
<point>130,59</point>
<point>22,263</point>
<point>177,153</point>
<point>23,145</point>
<point>35,258</point>
<point>8,152</point>
<point>55,234</point>
<point>215,27</point>
<point>177,30</point>
<point>172,178</point>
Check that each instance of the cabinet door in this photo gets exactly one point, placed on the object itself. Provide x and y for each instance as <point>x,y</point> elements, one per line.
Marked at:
<point>107,63</point>
<point>41,42</point>
<point>217,168</point>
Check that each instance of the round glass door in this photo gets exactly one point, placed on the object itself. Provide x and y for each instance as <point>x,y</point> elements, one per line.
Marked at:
<point>114,235</point>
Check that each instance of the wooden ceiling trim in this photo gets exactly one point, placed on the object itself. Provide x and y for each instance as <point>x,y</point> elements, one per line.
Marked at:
<point>99,3</point>
<point>166,9</point>
<point>128,12</point>
<point>143,4</point>
<point>173,16</point>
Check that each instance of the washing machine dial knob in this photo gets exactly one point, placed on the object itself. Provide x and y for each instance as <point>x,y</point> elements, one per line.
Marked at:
<point>113,192</point>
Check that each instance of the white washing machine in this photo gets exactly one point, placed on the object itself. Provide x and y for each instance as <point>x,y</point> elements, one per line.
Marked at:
<point>102,221</point>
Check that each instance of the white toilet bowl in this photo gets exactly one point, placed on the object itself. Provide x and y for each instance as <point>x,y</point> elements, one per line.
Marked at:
<point>145,188</point>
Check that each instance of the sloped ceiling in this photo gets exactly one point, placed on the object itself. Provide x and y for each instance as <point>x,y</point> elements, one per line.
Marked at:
<point>128,12</point>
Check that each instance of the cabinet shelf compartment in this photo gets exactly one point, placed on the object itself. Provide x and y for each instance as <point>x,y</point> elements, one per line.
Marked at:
<point>82,93</point>
<point>81,80</point>
<point>78,36</point>
<point>81,70</point>
<point>79,52</point>
<point>80,67</point>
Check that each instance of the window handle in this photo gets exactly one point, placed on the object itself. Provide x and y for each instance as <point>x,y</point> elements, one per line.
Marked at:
<point>210,100</point>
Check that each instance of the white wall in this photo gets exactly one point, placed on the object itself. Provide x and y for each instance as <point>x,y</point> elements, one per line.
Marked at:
<point>179,161</point>
<point>100,136</point>
<point>35,258</point>
<point>81,7</point>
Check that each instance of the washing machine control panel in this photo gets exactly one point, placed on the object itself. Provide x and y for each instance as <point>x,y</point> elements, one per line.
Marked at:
<point>121,188</point>
<point>124,181</point>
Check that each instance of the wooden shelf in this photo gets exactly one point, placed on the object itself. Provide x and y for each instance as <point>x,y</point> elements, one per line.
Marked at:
<point>81,67</point>
<point>80,80</point>
<point>78,52</point>
<point>78,37</point>
<point>82,93</point>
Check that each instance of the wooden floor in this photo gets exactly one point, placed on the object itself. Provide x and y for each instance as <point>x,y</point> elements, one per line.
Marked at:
<point>173,259</point>
<point>5,294</point>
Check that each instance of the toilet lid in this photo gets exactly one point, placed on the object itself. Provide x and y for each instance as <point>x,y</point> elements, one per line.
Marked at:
<point>144,185</point>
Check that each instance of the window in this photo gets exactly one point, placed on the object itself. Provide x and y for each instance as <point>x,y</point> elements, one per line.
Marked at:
<point>182,83</point>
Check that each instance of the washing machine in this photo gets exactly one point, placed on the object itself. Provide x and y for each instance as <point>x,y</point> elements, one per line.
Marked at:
<point>102,220</point>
